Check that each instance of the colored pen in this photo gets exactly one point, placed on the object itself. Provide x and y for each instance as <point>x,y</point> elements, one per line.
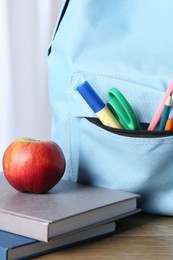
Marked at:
<point>165,114</point>
<point>97,105</point>
<point>160,108</point>
<point>169,125</point>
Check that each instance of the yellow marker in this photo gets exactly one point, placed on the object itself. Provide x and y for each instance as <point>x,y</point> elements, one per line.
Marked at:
<point>97,105</point>
<point>107,118</point>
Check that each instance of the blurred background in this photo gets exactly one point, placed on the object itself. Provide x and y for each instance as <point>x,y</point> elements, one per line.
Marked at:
<point>26,28</point>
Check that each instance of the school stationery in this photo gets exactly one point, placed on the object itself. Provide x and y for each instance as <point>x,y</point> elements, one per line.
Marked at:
<point>122,110</point>
<point>165,114</point>
<point>97,105</point>
<point>160,108</point>
<point>126,46</point>
<point>67,207</point>
<point>169,125</point>
<point>14,247</point>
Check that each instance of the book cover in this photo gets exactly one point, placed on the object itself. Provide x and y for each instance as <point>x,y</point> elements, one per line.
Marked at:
<point>67,207</point>
<point>14,246</point>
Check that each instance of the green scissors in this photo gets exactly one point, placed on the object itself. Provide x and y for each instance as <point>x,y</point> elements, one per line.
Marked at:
<point>122,110</point>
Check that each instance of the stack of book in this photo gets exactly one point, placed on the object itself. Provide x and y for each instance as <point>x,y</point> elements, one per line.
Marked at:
<point>71,213</point>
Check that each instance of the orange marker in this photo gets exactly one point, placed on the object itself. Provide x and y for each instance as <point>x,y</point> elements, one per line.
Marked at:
<point>169,125</point>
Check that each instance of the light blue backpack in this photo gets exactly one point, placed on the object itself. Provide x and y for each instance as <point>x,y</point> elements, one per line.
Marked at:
<point>126,44</point>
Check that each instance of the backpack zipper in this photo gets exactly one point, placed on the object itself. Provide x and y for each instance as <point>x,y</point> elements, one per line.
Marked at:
<point>64,8</point>
<point>61,16</point>
<point>131,133</point>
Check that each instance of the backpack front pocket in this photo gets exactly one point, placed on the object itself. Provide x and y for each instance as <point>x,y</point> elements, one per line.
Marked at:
<point>136,161</point>
<point>141,165</point>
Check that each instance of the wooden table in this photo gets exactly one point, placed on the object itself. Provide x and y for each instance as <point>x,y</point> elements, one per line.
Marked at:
<point>138,237</point>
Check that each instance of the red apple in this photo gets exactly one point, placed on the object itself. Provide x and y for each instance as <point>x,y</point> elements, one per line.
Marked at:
<point>32,165</point>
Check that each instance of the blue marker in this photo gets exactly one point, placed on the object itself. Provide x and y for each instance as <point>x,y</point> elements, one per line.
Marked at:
<point>97,105</point>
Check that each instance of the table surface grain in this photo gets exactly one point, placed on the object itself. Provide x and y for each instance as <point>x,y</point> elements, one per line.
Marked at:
<point>137,237</point>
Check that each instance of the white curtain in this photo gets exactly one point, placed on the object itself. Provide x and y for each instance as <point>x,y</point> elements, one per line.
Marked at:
<point>26,27</point>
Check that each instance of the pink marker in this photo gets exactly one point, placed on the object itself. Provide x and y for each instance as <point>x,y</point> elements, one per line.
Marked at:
<point>160,108</point>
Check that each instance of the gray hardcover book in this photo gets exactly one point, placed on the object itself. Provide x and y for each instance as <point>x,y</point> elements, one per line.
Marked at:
<point>67,207</point>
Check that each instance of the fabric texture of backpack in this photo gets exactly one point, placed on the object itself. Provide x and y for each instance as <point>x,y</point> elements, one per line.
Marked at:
<point>126,44</point>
